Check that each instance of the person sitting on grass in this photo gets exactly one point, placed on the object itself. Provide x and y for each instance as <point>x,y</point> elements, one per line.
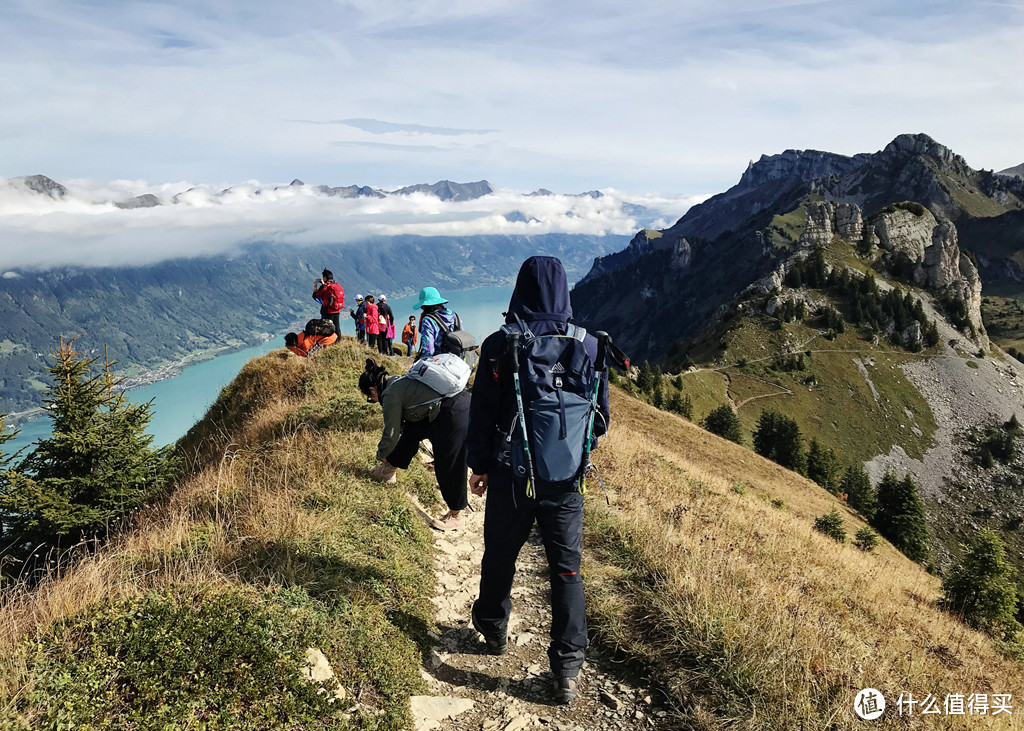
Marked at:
<point>413,412</point>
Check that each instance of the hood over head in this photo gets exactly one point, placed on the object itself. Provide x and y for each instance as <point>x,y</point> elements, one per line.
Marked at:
<point>541,292</point>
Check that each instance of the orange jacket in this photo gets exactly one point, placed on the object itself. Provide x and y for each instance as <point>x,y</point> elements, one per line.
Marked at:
<point>409,333</point>
<point>309,344</point>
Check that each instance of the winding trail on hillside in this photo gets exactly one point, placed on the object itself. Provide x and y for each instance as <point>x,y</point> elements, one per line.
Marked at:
<point>470,690</point>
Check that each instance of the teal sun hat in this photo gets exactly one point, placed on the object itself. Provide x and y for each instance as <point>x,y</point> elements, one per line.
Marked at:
<point>430,296</point>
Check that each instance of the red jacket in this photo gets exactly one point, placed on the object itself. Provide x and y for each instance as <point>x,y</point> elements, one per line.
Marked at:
<point>372,319</point>
<point>328,290</point>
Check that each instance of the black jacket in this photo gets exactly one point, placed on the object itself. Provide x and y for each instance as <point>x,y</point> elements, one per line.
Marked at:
<point>541,300</point>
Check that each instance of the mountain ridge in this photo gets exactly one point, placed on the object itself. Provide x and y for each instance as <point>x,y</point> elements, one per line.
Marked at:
<point>774,313</point>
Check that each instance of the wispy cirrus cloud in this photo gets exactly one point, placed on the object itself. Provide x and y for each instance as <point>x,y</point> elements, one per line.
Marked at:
<point>646,95</point>
<point>380,127</point>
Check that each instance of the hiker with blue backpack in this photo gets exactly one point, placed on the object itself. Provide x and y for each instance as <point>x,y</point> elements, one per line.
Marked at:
<point>428,402</point>
<point>539,401</point>
<point>435,321</point>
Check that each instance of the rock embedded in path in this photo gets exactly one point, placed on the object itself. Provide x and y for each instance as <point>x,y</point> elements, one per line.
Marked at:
<point>428,712</point>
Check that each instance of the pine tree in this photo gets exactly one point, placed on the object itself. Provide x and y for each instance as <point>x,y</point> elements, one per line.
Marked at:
<point>645,377</point>
<point>900,516</point>
<point>97,465</point>
<point>724,422</point>
<point>860,495</point>
<point>777,437</point>
<point>981,587</point>
<point>822,466</point>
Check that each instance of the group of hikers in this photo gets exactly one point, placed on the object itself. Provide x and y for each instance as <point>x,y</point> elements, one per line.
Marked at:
<point>374,321</point>
<point>522,436</point>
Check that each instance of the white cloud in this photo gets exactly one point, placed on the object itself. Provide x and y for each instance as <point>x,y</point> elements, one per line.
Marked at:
<point>87,229</point>
<point>647,95</point>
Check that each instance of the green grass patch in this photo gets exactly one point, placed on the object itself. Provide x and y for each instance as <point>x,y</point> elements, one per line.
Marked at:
<point>785,229</point>
<point>203,659</point>
<point>831,399</point>
<point>1004,320</point>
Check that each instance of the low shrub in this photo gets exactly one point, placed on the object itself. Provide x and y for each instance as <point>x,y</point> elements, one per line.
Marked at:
<point>831,524</point>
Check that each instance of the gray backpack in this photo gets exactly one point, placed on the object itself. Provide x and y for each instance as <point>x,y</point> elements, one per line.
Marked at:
<point>446,373</point>
<point>455,340</point>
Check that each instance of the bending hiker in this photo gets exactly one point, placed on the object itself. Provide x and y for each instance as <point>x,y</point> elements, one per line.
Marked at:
<point>371,317</point>
<point>413,411</point>
<point>303,344</point>
<point>358,314</point>
<point>547,489</point>
<point>331,297</point>
<point>409,335</point>
<point>436,318</point>
<point>387,324</point>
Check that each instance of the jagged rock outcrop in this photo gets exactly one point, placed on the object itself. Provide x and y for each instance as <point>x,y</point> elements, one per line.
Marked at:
<point>826,219</point>
<point>931,248</point>
<point>797,165</point>
<point>679,253</point>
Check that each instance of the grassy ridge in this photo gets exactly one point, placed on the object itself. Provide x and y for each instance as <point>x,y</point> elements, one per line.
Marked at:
<point>276,542</point>
<point>706,575</point>
<point>745,615</point>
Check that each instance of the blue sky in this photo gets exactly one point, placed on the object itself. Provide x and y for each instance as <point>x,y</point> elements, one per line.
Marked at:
<point>643,96</point>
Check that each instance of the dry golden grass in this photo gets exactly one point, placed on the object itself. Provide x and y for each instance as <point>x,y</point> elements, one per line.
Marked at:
<point>743,614</point>
<point>751,617</point>
<point>269,499</point>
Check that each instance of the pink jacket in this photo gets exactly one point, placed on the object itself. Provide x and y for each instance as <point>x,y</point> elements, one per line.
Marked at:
<point>372,319</point>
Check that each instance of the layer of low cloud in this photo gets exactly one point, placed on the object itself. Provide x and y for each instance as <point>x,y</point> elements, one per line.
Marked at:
<point>86,228</point>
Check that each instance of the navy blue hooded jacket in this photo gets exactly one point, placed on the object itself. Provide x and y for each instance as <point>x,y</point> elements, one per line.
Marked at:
<point>541,300</point>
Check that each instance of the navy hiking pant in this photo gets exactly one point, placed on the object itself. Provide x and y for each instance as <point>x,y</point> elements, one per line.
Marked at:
<point>507,524</point>
<point>447,435</point>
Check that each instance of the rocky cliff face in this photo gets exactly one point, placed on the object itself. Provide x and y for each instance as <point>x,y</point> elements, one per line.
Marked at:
<point>797,165</point>
<point>679,253</point>
<point>931,247</point>
<point>826,219</point>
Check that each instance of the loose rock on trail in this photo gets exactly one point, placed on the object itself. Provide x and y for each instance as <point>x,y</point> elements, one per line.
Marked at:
<point>471,690</point>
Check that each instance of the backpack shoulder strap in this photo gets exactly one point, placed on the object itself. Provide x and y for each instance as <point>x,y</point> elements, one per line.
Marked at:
<point>433,316</point>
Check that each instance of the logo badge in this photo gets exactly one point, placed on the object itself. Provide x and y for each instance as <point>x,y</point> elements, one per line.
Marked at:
<point>869,704</point>
<point>558,368</point>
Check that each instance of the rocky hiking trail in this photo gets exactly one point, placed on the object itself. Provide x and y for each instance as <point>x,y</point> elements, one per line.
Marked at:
<point>473,691</point>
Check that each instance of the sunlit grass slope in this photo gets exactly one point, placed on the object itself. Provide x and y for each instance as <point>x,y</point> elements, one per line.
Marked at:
<point>707,571</point>
<point>277,541</point>
<point>705,575</point>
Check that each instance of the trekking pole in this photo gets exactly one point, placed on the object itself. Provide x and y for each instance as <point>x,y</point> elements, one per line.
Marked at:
<point>514,339</point>
<point>604,341</point>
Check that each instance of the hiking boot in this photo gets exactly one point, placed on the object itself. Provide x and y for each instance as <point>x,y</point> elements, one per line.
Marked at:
<point>564,689</point>
<point>451,521</point>
<point>494,646</point>
<point>385,473</point>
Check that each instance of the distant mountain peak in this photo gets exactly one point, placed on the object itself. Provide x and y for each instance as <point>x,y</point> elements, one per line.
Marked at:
<point>446,190</point>
<point>43,186</point>
<point>906,145</point>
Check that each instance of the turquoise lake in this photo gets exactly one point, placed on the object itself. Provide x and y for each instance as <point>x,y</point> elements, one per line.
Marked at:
<point>181,401</point>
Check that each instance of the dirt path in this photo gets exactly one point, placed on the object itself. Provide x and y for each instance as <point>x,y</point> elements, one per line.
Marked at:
<point>472,691</point>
